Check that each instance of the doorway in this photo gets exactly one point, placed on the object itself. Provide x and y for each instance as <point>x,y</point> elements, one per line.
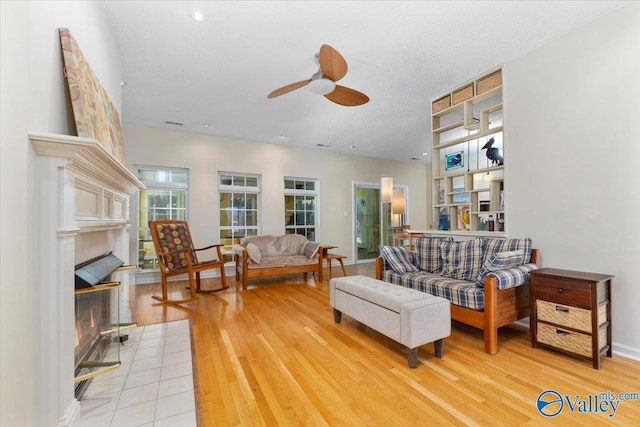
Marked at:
<point>367,221</point>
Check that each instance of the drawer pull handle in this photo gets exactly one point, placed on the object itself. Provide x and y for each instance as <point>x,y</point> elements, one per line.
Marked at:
<point>560,291</point>
<point>562,309</point>
<point>561,332</point>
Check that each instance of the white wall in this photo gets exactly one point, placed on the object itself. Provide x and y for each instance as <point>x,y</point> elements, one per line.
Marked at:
<point>33,100</point>
<point>571,117</point>
<point>205,155</point>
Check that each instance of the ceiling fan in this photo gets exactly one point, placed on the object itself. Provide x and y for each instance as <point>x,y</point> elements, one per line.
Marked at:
<point>333,67</point>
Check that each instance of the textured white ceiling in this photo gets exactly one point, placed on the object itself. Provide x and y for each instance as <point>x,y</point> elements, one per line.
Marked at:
<point>401,54</point>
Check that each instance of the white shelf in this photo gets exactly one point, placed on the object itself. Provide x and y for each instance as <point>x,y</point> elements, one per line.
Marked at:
<point>476,125</point>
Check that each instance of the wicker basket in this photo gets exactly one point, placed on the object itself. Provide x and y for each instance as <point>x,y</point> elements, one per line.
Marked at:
<point>441,104</point>
<point>575,342</point>
<point>463,94</point>
<point>489,82</point>
<point>571,317</point>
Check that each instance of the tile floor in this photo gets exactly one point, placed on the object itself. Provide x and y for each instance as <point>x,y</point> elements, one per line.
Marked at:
<point>153,387</point>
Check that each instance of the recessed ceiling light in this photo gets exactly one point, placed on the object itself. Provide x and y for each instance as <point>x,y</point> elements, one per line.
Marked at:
<point>198,15</point>
<point>123,83</point>
<point>425,154</point>
<point>206,125</point>
<point>352,146</point>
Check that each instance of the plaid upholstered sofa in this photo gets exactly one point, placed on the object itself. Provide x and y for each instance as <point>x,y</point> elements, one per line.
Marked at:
<point>485,279</point>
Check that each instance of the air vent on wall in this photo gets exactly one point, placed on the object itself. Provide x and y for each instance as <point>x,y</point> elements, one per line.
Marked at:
<point>174,123</point>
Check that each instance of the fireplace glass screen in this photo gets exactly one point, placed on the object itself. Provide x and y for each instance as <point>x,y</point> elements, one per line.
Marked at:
<point>97,341</point>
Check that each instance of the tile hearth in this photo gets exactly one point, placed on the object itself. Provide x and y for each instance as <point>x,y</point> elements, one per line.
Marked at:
<point>153,387</point>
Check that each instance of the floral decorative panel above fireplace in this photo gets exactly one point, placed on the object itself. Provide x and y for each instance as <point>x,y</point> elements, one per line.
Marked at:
<point>95,115</point>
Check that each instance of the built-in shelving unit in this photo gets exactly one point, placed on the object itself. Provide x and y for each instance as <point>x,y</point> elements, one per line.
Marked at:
<point>468,186</point>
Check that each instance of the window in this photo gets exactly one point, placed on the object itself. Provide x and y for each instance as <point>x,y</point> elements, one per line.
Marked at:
<point>300,201</point>
<point>164,198</point>
<point>239,207</point>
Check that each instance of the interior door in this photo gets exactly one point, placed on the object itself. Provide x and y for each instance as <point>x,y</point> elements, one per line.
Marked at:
<point>367,221</point>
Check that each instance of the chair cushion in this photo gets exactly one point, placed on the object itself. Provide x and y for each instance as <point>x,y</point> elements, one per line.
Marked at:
<point>428,252</point>
<point>174,237</point>
<point>499,261</point>
<point>397,258</point>
<point>461,260</point>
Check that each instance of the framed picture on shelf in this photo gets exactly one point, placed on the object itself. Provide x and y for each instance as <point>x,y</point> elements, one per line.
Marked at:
<point>454,160</point>
<point>460,196</point>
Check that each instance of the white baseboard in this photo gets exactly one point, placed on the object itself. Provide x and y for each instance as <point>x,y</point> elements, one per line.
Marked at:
<point>69,416</point>
<point>144,277</point>
<point>626,351</point>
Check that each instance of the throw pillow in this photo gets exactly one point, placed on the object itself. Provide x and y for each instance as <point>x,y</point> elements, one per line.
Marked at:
<point>253,252</point>
<point>428,252</point>
<point>310,249</point>
<point>499,261</point>
<point>494,246</point>
<point>461,260</point>
<point>398,259</point>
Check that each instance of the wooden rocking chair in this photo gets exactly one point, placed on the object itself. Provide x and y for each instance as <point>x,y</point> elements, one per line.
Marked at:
<point>177,255</point>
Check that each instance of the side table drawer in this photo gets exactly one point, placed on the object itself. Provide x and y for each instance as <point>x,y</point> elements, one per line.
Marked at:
<point>571,294</point>
<point>575,342</point>
<point>564,315</point>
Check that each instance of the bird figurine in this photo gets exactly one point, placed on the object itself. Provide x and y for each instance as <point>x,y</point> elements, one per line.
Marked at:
<point>493,153</point>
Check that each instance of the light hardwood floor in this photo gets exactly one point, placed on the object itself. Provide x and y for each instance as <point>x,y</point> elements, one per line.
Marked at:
<point>273,356</point>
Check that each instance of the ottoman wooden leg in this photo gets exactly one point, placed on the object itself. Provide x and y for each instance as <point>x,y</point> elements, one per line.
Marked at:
<point>413,357</point>
<point>337,315</point>
<point>438,347</point>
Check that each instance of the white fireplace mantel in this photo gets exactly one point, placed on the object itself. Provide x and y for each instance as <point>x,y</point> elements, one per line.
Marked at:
<point>82,195</point>
<point>86,156</point>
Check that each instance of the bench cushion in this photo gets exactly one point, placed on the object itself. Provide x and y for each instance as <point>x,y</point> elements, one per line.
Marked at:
<point>378,292</point>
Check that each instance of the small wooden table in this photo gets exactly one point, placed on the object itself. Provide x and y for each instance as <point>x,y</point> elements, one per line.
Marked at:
<point>571,312</point>
<point>325,254</point>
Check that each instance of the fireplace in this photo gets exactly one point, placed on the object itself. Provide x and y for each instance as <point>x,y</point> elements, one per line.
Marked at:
<point>97,319</point>
<point>83,196</point>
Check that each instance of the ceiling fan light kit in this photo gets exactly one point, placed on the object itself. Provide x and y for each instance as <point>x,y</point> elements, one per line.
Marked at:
<point>321,85</point>
<point>333,67</point>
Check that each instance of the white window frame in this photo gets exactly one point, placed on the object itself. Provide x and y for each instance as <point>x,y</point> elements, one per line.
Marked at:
<point>304,192</point>
<point>226,188</point>
<point>154,185</point>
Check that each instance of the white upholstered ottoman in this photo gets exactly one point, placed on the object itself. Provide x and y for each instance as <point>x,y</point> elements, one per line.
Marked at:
<point>410,317</point>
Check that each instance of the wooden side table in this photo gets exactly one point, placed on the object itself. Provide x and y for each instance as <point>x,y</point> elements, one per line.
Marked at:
<point>571,312</point>
<point>326,255</point>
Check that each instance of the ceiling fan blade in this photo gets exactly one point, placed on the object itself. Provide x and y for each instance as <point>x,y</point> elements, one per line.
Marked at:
<point>347,97</point>
<point>332,64</point>
<point>288,88</point>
